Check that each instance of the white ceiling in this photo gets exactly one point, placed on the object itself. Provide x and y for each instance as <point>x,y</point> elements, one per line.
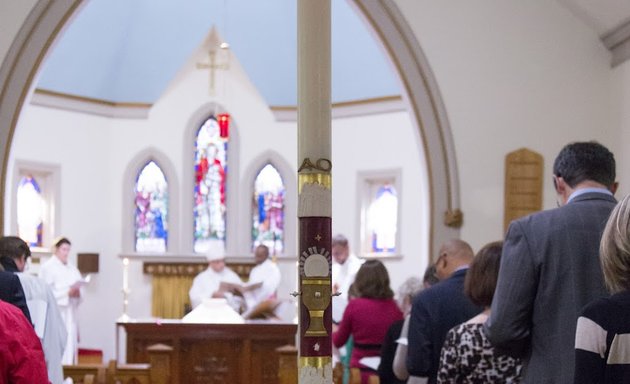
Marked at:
<point>604,16</point>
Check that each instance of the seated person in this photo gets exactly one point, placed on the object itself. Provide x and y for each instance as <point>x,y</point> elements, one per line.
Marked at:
<point>266,273</point>
<point>207,284</point>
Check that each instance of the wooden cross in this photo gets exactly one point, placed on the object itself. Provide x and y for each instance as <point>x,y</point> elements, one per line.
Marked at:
<point>212,64</point>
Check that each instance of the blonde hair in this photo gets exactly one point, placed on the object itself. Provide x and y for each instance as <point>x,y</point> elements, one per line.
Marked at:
<point>614,249</point>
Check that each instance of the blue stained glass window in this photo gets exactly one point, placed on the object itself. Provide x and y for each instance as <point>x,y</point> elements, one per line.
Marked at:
<point>209,192</point>
<point>31,208</point>
<point>268,210</point>
<point>382,218</point>
<point>151,214</point>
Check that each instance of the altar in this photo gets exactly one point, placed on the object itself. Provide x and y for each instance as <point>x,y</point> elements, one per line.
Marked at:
<point>213,353</point>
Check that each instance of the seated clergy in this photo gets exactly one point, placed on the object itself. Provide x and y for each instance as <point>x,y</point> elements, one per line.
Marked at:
<point>264,278</point>
<point>207,284</point>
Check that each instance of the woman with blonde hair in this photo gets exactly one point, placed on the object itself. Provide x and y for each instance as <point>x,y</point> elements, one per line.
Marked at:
<point>602,336</point>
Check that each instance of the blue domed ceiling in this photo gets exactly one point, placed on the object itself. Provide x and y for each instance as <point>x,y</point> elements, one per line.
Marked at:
<point>129,50</point>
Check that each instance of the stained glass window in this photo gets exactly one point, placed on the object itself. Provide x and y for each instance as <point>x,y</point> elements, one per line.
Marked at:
<point>31,208</point>
<point>382,218</point>
<point>151,213</point>
<point>211,145</point>
<point>268,210</point>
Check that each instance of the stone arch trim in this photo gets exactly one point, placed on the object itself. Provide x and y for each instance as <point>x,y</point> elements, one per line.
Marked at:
<point>422,96</point>
<point>421,93</point>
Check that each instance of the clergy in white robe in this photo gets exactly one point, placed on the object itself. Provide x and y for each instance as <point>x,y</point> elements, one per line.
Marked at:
<point>345,266</point>
<point>265,272</point>
<point>65,281</point>
<point>207,284</point>
<point>41,302</point>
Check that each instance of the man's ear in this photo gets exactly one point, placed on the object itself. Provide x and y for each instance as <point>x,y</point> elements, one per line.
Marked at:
<point>559,184</point>
<point>613,187</point>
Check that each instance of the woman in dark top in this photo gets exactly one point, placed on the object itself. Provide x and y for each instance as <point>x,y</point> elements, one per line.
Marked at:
<point>467,356</point>
<point>368,317</point>
<point>602,336</point>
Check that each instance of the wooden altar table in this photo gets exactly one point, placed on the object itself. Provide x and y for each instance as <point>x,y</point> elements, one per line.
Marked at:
<point>213,353</point>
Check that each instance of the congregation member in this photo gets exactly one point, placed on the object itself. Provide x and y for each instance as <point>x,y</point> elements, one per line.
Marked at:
<point>49,325</point>
<point>265,272</point>
<point>11,291</point>
<point>399,365</point>
<point>65,281</point>
<point>405,295</point>
<point>602,336</point>
<point>550,266</point>
<point>21,355</point>
<point>345,266</point>
<point>467,356</point>
<point>368,317</point>
<point>207,284</point>
<point>438,309</point>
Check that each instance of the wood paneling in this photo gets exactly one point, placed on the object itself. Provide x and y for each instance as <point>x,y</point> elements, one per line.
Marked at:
<point>523,184</point>
<point>214,353</point>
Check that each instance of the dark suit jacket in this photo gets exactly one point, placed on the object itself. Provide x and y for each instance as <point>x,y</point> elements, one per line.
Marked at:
<point>388,351</point>
<point>549,271</point>
<point>11,291</point>
<point>434,312</point>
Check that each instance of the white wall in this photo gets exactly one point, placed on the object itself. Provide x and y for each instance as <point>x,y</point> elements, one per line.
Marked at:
<point>621,115</point>
<point>13,15</point>
<point>94,153</point>
<point>512,74</point>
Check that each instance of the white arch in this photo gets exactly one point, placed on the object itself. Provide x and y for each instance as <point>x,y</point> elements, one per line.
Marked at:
<point>288,175</point>
<point>129,182</point>
<point>420,90</point>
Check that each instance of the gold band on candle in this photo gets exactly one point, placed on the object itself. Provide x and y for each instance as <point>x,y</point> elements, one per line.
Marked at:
<point>323,179</point>
<point>316,362</point>
<point>315,282</point>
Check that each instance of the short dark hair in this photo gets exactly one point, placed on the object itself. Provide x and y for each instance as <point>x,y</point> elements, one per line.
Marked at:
<point>372,281</point>
<point>62,241</point>
<point>13,247</point>
<point>481,278</point>
<point>581,161</point>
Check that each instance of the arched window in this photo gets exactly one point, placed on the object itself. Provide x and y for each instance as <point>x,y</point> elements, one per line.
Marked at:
<point>382,219</point>
<point>31,210</point>
<point>209,212</point>
<point>151,209</point>
<point>268,210</point>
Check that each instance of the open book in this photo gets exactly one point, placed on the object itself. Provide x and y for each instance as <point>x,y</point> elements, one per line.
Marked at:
<point>239,288</point>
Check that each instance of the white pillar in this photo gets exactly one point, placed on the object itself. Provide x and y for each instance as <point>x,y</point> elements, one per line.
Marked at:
<point>314,189</point>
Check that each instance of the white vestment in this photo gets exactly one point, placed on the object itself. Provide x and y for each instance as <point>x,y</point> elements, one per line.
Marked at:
<point>48,323</point>
<point>269,274</point>
<point>60,277</point>
<point>342,277</point>
<point>207,282</point>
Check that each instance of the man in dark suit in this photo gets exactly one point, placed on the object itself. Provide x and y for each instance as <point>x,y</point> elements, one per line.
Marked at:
<point>438,309</point>
<point>550,266</point>
<point>11,291</point>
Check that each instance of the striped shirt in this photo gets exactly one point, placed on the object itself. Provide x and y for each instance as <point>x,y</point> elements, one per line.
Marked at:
<point>602,341</point>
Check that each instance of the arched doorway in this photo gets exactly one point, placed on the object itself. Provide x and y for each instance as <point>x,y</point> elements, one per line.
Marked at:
<point>47,18</point>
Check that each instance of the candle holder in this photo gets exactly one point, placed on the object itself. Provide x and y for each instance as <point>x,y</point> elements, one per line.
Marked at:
<point>124,318</point>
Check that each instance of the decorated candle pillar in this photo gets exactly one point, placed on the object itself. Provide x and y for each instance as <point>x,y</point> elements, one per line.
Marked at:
<point>314,190</point>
